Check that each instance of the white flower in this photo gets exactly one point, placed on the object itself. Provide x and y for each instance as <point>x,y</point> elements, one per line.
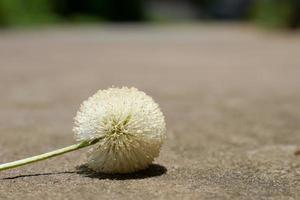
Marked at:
<point>130,125</point>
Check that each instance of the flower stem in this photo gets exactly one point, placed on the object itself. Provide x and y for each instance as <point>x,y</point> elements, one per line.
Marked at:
<point>50,154</point>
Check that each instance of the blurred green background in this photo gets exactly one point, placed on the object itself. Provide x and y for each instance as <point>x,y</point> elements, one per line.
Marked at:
<point>267,13</point>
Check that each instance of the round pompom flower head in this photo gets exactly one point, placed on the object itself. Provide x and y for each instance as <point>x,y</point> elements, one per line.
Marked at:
<point>129,124</point>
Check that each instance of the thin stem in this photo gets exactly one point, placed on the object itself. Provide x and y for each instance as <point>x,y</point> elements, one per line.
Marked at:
<point>50,154</point>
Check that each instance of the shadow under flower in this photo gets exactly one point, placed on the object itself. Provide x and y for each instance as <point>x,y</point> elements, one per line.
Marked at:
<point>38,174</point>
<point>152,171</point>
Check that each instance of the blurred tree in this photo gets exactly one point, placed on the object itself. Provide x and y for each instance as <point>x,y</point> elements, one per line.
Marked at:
<point>112,10</point>
<point>21,12</point>
<point>270,13</point>
<point>224,9</point>
<point>277,13</point>
<point>125,10</point>
<point>18,12</point>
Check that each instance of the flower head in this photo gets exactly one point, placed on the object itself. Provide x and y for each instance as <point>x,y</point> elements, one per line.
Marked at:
<point>130,125</point>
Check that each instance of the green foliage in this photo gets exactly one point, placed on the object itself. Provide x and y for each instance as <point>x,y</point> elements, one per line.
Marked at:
<point>268,13</point>
<point>19,12</point>
<point>277,13</point>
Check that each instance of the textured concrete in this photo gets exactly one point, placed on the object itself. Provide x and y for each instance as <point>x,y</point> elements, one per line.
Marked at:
<point>230,94</point>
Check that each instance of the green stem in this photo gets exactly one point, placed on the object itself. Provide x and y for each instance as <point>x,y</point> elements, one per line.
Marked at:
<point>48,155</point>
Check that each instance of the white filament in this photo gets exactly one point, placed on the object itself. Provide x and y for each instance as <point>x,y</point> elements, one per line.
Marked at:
<point>131,125</point>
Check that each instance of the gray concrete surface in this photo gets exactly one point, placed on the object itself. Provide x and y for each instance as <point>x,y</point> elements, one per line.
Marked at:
<point>230,95</point>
